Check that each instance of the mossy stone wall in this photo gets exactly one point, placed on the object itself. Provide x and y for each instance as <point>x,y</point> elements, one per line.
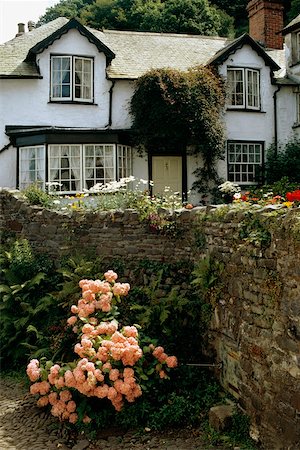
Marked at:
<point>255,328</point>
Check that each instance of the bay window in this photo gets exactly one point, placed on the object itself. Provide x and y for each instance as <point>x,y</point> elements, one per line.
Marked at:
<point>73,167</point>
<point>243,88</point>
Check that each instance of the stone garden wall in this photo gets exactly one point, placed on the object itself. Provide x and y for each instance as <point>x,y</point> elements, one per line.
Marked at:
<point>255,329</point>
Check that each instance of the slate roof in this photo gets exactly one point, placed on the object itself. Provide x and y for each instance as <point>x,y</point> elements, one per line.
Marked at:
<point>293,25</point>
<point>13,53</point>
<point>133,53</point>
<point>137,52</point>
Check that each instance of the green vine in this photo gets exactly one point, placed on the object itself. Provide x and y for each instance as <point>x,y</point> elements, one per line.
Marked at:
<point>173,109</point>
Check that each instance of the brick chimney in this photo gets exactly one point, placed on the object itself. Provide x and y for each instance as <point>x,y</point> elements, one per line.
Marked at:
<point>266,22</point>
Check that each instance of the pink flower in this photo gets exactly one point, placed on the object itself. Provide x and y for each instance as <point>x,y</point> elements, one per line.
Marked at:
<point>65,395</point>
<point>110,276</point>
<point>171,361</point>
<point>33,371</point>
<point>74,309</point>
<point>52,398</point>
<point>128,372</point>
<point>121,289</point>
<point>87,328</point>
<point>72,320</point>
<point>71,406</point>
<point>73,418</point>
<point>114,374</point>
<point>130,331</point>
<point>86,419</point>
<point>158,351</point>
<point>43,401</point>
<point>101,391</point>
<point>112,393</point>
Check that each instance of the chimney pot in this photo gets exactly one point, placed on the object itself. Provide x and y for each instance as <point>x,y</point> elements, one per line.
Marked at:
<point>21,29</point>
<point>31,25</point>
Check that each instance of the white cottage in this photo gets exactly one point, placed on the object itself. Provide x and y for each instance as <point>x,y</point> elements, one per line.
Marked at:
<point>65,91</point>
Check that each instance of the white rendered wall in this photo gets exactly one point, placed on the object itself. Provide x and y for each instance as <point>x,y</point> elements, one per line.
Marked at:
<point>122,93</point>
<point>287,128</point>
<point>26,102</point>
<point>251,125</point>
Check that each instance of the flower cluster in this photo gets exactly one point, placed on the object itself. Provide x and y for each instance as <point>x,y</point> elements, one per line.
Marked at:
<point>110,359</point>
<point>293,196</point>
<point>268,198</point>
<point>229,188</point>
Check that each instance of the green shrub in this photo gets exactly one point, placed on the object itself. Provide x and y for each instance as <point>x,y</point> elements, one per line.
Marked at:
<point>285,162</point>
<point>36,196</point>
<point>27,306</point>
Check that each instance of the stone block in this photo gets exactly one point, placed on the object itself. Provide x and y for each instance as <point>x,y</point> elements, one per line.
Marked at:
<point>220,417</point>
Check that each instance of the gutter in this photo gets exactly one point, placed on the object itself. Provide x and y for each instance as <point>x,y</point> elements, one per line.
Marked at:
<point>6,147</point>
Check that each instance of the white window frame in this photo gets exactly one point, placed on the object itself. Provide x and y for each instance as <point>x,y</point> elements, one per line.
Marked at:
<point>53,165</point>
<point>242,160</point>
<point>124,157</point>
<point>39,170</point>
<point>105,179</point>
<point>72,63</point>
<point>247,74</point>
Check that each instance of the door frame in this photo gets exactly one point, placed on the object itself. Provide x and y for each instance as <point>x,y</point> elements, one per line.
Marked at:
<point>182,154</point>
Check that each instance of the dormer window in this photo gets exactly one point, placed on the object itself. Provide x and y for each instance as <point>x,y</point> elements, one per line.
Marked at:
<point>71,79</point>
<point>243,87</point>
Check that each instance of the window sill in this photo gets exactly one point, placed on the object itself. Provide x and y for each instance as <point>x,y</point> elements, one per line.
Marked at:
<point>245,110</point>
<point>71,102</point>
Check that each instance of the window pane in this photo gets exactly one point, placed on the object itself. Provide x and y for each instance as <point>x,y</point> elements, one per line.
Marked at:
<point>99,164</point>
<point>65,167</point>
<point>236,87</point>
<point>253,88</point>
<point>60,76</point>
<point>249,159</point>
<point>32,166</point>
<point>83,79</point>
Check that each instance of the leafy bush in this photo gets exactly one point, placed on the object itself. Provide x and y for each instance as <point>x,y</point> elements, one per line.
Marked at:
<point>36,196</point>
<point>285,162</point>
<point>111,364</point>
<point>28,308</point>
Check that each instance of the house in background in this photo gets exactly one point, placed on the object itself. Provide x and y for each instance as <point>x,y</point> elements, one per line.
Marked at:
<point>65,93</point>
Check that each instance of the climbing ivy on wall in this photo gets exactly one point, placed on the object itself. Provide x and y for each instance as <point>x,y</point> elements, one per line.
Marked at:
<point>174,109</point>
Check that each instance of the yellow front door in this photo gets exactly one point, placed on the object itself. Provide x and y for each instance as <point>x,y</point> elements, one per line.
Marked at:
<point>167,171</point>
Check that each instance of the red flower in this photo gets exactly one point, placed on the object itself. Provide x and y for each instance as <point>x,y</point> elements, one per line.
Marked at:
<point>293,196</point>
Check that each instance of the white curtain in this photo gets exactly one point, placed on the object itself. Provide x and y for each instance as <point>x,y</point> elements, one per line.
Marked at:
<point>75,165</point>
<point>54,162</point>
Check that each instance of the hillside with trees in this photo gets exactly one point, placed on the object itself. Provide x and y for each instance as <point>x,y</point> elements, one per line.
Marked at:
<point>218,17</point>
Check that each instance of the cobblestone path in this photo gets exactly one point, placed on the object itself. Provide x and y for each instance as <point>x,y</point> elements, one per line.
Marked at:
<point>24,426</point>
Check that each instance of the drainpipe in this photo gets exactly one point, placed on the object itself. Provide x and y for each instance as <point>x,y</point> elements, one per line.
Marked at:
<point>110,103</point>
<point>275,120</point>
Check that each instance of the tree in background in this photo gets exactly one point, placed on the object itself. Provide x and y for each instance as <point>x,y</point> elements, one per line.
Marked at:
<point>295,9</point>
<point>236,9</point>
<point>64,8</point>
<point>172,16</point>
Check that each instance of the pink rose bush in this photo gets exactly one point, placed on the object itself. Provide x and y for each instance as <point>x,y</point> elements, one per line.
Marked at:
<point>110,362</point>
